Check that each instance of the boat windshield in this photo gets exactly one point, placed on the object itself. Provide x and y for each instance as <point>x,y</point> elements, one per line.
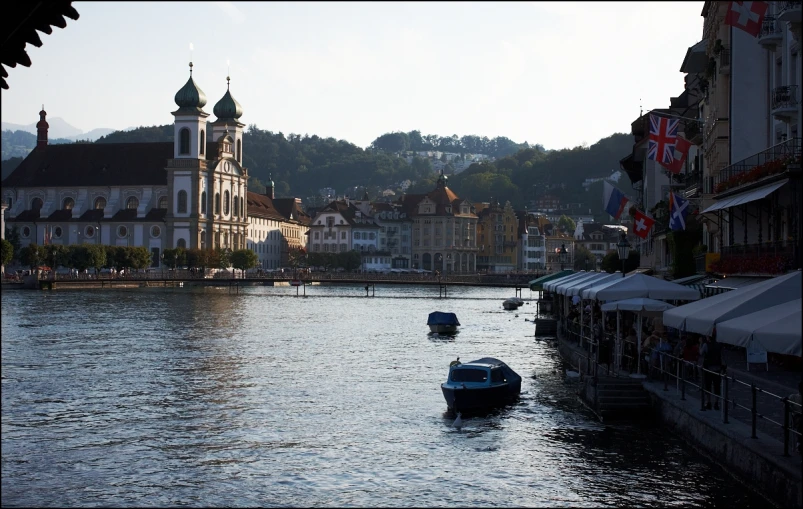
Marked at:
<point>469,375</point>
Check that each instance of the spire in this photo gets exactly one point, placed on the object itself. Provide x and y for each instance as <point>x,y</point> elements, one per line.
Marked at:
<point>41,129</point>
<point>190,97</point>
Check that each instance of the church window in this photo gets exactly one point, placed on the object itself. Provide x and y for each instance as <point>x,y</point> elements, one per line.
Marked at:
<point>36,204</point>
<point>184,141</point>
<point>242,208</point>
<point>236,209</point>
<point>203,202</point>
<point>239,151</point>
<point>132,203</point>
<point>203,142</point>
<point>226,203</point>
<point>155,231</point>
<point>162,203</point>
<point>181,205</point>
<point>181,243</point>
<point>122,231</point>
<point>100,203</point>
<point>26,231</point>
<point>68,204</point>
<point>217,203</point>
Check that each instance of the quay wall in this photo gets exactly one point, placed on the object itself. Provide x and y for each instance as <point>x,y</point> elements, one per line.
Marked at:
<point>758,462</point>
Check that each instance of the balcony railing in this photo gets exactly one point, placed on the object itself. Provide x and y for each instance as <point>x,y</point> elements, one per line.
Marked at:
<point>767,258</point>
<point>777,248</point>
<point>790,11</point>
<point>770,33</point>
<point>697,183</point>
<point>784,99</point>
<point>786,150</point>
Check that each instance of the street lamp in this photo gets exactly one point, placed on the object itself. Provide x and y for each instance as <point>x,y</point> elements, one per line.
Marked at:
<point>563,255</point>
<point>623,247</point>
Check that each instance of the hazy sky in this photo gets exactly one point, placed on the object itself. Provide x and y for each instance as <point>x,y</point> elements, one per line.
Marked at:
<point>559,74</point>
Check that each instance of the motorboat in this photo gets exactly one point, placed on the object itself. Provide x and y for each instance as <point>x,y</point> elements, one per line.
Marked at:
<point>480,385</point>
<point>512,303</point>
<point>442,323</point>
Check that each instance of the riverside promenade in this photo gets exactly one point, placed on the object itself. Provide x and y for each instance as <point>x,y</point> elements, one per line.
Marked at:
<point>725,437</point>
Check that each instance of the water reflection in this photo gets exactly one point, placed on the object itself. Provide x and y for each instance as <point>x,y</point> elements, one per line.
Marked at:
<point>204,397</point>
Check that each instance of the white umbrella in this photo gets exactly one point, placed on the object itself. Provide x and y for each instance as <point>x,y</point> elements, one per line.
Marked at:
<point>641,306</point>
<point>640,285</point>
<point>776,328</point>
<point>702,316</point>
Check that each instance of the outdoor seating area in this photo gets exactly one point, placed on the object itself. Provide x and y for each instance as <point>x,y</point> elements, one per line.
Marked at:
<point>642,327</point>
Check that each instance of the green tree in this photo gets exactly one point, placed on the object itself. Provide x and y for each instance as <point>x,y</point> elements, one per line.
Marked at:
<point>6,252</point>
<point>566,223</point>
<point>583,255</point>
<point>140,257</point>
<point>55,255</point>
<point>244,259</point>
<point>349,261</point>
<point>611,262</point>
<point>32,255</point>
<point>79,257</point>
<point>13,236</point>
<point>96,256</point>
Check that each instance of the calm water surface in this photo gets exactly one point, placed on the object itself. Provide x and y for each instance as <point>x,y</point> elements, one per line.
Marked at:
<point>202,397</point>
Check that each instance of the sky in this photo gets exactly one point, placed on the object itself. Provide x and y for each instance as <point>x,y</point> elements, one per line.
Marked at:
<point>559,74</point>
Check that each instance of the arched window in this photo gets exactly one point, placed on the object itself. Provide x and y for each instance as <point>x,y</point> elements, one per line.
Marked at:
<point>181,243</point>
<point>236,208</point>
<point>226,203</point>
<point>203,202</point>
<point>242,208</point>
<point>162,202</point>
<point>68,204</point>
<point>239,151</point>
<point>100,203</point>
<point>203,142</point>
<point>37,204</point>
<point>181,205</point>
<point>217,203</point>
<point>184,141</point>
<point>132,203</point>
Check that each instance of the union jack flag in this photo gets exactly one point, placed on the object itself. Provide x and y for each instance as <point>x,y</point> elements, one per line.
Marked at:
<point>663,136</point>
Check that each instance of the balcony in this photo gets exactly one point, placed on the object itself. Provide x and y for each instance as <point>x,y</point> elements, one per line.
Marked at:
<point>766,258</point>
<point>785,102</point>
<point>698,184</point>
<point>770,35</point>
<point>693,129</point>
<point>768,165</point>
<point>790,11</point>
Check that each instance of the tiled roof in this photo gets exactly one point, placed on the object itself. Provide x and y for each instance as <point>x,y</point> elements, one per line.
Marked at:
<point>94,215</point>
<point>260,205</point>
<point>156,215</point>
<point>28,215</point>
<point>291,209</point>
<point>60,215</point>
<point>125,215</point>
<point>93,164</point>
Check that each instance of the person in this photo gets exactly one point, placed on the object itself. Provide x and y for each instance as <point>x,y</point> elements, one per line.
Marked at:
<point>797,415</point>
<point>712,367</point>
<point>691,351</point>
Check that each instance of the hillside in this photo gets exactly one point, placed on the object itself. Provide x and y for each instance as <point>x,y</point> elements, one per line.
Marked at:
<point>303,165</point>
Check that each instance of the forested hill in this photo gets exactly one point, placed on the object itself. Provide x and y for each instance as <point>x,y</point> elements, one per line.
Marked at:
<point>302,165</point>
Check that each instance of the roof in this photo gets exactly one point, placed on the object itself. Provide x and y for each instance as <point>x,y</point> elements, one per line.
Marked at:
<point>93,164</point>
<point>537,284</point>
<point>290,209</point>
<point>261,206</point>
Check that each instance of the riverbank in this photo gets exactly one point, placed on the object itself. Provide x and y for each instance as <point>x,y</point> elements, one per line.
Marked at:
<point>758,462</point>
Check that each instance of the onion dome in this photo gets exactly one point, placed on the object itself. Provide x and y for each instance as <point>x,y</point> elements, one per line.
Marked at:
<point>228,108</point>
<point>190,96</point>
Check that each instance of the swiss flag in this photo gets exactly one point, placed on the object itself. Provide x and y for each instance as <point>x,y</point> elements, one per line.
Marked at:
<point>679,154</point>
<point>642,224</point>
<point>747,15</point>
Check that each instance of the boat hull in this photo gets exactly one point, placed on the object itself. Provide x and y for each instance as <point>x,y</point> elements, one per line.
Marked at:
<point>510,306</point>
<point>472,399</point>
<point>443,328</point>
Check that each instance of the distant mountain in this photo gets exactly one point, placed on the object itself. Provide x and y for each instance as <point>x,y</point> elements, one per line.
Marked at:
<point>59,128</point>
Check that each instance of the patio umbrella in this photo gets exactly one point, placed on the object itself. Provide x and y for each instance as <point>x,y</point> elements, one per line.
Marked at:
<point>642,307</point>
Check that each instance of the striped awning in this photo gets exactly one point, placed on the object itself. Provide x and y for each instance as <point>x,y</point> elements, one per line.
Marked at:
<point>727,284</point>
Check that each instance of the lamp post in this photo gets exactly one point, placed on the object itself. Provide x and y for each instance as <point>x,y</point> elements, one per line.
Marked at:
<point>562,254</point>
<point>623,248</point>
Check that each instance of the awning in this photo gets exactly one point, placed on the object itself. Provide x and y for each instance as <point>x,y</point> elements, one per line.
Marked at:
<point>745,197</point>
<point>696,59</point>
<point>641,270</point>
<point>690,280</point>
<point>732,283</point>
<point>537,284</point>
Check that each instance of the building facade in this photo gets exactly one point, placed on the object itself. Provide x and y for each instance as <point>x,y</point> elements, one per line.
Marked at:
<point>497,232</point>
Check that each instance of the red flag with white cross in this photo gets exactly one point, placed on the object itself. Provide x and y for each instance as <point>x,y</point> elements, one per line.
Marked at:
<point>642,224</point>
<point>679,154</point>
<point>747,15</point>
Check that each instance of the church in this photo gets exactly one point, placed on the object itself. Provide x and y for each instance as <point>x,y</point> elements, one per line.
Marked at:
<point>190,193</point>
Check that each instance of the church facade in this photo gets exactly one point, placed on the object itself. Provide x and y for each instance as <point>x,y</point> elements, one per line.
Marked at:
<point>190,193</point>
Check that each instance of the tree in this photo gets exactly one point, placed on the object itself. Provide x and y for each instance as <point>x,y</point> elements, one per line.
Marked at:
<point>32,255</point>
<point>6,252</point>
<point>611,262</point>
<point>55,255</point>
<point>567,223</point>
<point>244,259</point>
<point>583,255</point>
<point>79,257</point>
<point>297,257</point>
<point>13,236</point>
<point>96,256</point>
<point>140,257</point>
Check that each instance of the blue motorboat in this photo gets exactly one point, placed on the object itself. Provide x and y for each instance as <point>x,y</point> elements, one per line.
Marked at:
<point>443,323</point>
<point>480,385</point>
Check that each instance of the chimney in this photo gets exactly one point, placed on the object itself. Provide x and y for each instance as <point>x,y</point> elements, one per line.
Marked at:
<point>41,129</point>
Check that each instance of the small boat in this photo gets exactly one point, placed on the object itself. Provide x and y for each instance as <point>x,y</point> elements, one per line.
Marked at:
<point>480,385</point>
<point>512,303</point>
<point>442,323</point>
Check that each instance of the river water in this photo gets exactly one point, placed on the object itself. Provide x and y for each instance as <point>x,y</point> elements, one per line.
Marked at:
<point>203,397</point>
